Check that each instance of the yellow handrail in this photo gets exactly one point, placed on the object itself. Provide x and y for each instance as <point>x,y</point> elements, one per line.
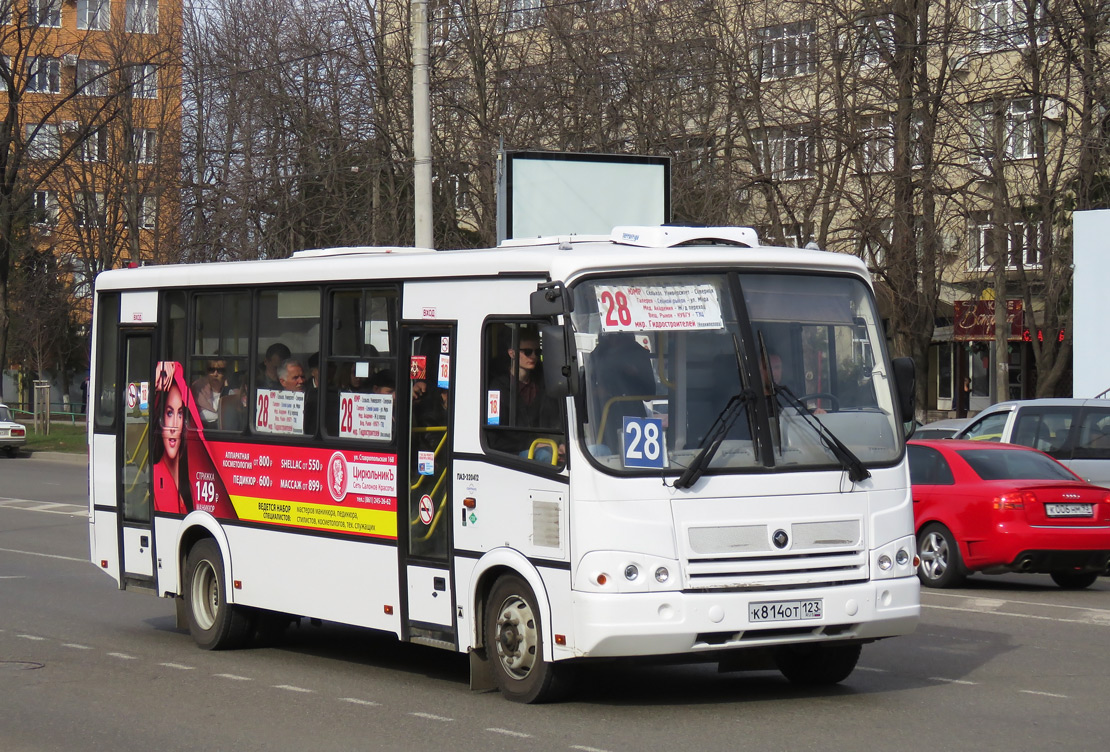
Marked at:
<point>545,442</point>
<point>439,446</point>
<point>627,398</point>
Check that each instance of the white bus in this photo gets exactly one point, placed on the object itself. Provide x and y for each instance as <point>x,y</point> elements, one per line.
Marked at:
<point>706,462</point>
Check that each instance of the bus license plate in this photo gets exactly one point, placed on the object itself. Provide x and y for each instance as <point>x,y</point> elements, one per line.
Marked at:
<point>1069,510</point>
<point>785,610</point>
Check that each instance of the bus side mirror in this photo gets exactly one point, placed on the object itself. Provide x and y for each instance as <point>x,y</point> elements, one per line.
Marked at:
<point>550,300</point>
<point>560,363</point>
<point>905,381</point>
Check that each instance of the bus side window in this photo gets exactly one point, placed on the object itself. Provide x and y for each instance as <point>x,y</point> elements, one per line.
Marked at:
<point>520,418</point>
<point>288,336</point>
<point>218,359</point>
<point>358,375</point>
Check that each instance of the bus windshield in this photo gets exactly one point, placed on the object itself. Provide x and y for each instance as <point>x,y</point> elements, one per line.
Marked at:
<point>770,369</point>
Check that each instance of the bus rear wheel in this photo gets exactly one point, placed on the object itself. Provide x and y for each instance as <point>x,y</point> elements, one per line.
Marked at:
<point>818,665</point>
<point>214,623</point>
<point>514,645</point>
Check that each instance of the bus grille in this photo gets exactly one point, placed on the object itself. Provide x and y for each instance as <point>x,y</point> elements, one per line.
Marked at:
<point>744,557</point>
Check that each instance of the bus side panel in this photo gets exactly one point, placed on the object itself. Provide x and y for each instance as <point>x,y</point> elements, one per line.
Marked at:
<point>103,527</point>
<point>352,582</point>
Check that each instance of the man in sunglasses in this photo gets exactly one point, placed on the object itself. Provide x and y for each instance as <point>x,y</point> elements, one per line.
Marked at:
<point>526,403</point>
<point>208,388</point>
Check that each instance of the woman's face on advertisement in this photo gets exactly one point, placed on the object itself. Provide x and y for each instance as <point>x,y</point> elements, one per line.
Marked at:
<point>173,422</point>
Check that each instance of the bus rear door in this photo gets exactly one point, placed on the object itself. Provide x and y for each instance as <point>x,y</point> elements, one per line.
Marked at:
<point>426,558</point>
<point>135,499</point>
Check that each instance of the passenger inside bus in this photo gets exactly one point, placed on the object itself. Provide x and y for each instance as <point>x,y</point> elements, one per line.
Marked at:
<point>208,389</point>
<point>623,380</point>
<point>526,404</point>
<point>275,355</point>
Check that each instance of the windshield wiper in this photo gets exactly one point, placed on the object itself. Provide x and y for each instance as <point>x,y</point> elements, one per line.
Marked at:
<point>714,437</point>
<point>848,460</point>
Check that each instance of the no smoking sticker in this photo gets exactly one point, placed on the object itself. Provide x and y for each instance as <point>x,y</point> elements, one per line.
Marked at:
<point>426,509</point>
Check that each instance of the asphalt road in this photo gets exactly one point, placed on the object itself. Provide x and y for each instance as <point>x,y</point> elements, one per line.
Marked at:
<point>1008,663</point>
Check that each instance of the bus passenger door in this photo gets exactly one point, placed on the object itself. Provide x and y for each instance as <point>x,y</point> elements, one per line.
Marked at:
<point>135,498</point>
<point>426,559</point>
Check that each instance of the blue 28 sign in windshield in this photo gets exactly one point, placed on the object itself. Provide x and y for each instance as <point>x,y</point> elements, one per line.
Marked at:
<point>643,443</point>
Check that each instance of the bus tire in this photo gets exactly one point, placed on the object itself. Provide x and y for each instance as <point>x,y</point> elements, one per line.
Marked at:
<point>214,623</point>
<point>514,645</point>
<point>818,665</point>
<point>941,565</point>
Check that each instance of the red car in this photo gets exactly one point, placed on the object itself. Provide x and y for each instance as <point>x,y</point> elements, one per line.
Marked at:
<point>994,508</point>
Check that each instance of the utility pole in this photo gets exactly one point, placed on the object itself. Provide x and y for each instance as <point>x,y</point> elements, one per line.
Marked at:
<point>421,126</point>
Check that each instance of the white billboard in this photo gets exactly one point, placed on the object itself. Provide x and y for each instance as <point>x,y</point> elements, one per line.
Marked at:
<point>1090,304</point>
<point>541,194</point>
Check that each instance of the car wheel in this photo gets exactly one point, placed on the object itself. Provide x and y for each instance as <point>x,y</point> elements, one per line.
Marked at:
<point>514,645</point>
<point>817,665</point>
<point>940,566</point>
<point>1070,580</point>
<point>214,623</point>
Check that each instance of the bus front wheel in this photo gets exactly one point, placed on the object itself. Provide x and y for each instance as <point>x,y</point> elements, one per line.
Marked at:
<point>514,644</point>
<point>817,665</point>
<point>214,623</point>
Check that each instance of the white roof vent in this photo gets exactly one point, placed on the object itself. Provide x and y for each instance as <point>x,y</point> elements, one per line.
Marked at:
<point>668,236</point>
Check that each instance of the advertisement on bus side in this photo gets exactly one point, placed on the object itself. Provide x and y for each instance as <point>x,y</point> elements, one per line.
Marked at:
<point>342,491</point>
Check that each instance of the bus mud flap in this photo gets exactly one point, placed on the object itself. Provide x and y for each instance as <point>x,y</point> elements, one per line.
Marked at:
<point>481,674</point>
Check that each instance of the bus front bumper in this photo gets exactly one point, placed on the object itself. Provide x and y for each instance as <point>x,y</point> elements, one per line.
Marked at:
<point>677,622</point>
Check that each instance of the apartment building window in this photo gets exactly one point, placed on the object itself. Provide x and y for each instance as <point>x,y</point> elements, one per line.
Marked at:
<point>92,78</point>
<point>999,24</point>
<point>875,35</point>
<point>148,212</point>
<point>141,16</point>
<point>877,141</point>
<point>786,153</point>
<point>44,75</point>
<point>788,50</point>
<point>144,145</point>
<point>606,5</point>
<point>1017,129</point>
<point>523,14</point>
<point>142,80</point>
<point>94,147</point>
<point>89,209</point>
<point>1021,242</point>
<point>94,14</point>
<point>446,23</point>
<point>44,208</point>
<point>5,71</point>
<point>43,141</point>
<point>44,13</point>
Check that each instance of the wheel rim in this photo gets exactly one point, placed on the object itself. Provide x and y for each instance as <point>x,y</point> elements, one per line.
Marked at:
<point>517,637</point>
<point>206,595</point>
<point>934,556</point>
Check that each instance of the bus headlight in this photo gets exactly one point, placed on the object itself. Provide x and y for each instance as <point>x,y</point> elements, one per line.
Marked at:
<point>895,559</point>
<point>601,572</point>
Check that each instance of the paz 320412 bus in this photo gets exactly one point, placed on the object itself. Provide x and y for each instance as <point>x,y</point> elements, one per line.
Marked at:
<point>667,442</point>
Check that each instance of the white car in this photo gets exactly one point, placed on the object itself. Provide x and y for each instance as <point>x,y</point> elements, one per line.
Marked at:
<point>12,434</point>
<point>1075,432</point>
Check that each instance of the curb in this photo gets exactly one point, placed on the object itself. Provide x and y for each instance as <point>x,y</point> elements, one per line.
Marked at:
<point>67,457</point>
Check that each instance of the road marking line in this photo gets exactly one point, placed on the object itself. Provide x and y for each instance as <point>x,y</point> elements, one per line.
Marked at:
<point>507,732</point>
<point>123,656</point>
<point>587,749</point>
<point>233,677</point>
<point>357,701</point>
<point>181,666</point>
<point>952,681</point>
<point>1042,694</point>
<point>75,646</point>
<point>430,717</point>
<point>871,669</point>
<point>291,688</point>
<point>13,576</point>
<point>1007,600</point>
<point>36,638</point>
<point>45,556</point>
<point>1096,618</point>
<point>44,506</point>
